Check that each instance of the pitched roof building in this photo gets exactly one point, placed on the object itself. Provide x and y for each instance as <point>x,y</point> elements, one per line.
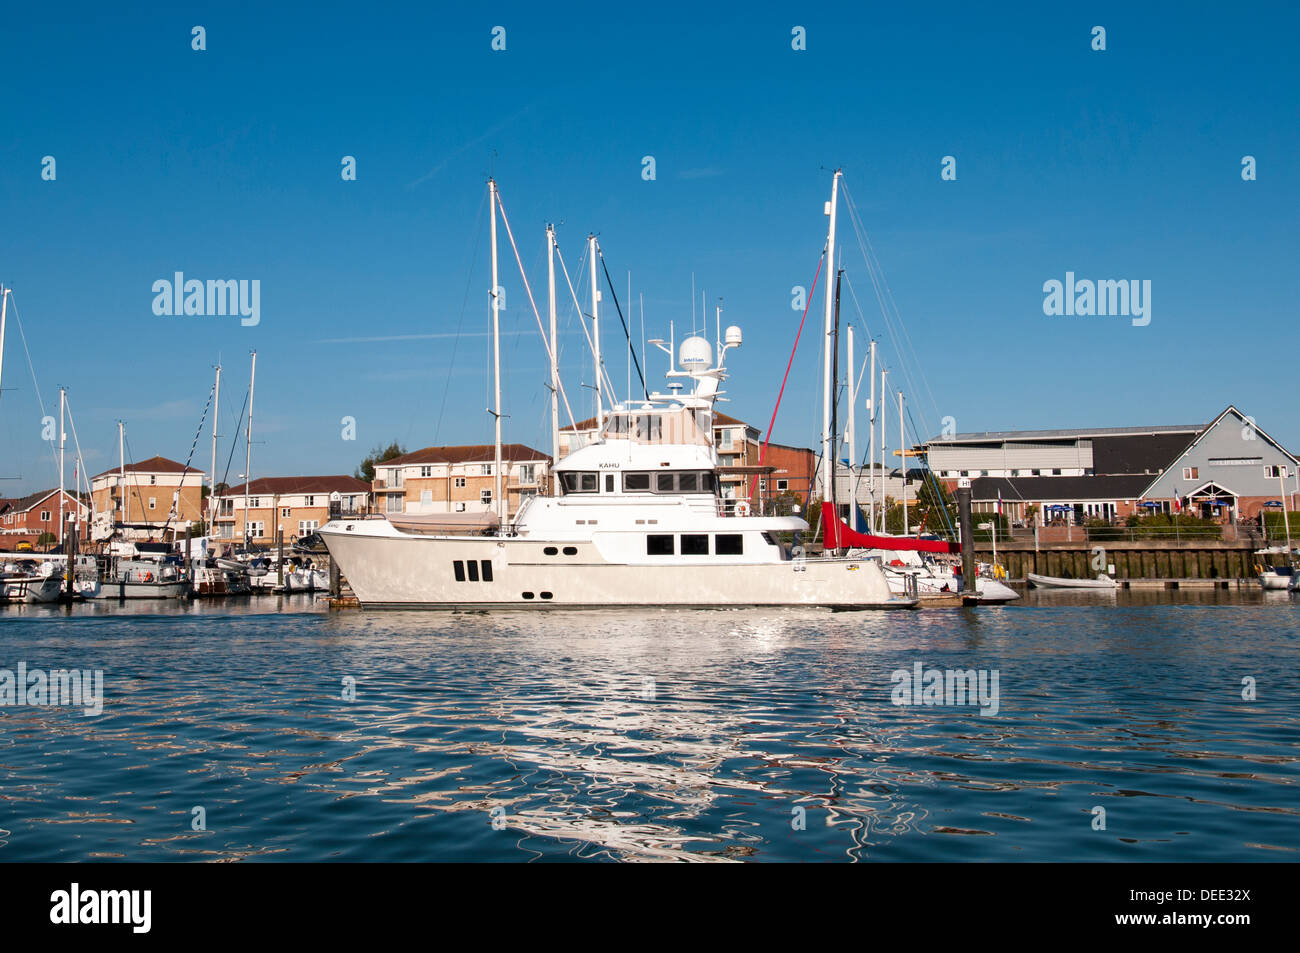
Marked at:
<point>459,479</point>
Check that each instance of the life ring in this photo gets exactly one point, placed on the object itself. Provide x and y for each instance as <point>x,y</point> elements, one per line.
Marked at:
<point>742,508</point>
<point>148,577</point>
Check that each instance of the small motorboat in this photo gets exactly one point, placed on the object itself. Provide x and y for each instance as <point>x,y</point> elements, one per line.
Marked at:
<point>1278,577</point>
<point>1102,581</point>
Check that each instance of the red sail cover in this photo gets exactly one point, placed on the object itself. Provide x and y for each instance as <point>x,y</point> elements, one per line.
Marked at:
<point>836,534</point>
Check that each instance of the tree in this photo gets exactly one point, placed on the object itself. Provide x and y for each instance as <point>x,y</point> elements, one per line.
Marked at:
<point>366,471</point>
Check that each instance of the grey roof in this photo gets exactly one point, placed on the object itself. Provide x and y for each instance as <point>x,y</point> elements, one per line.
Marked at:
<point>1008,435</point>
<point>1080,488</point>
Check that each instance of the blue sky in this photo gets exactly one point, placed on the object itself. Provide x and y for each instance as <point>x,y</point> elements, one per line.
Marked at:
<point>226,164</point>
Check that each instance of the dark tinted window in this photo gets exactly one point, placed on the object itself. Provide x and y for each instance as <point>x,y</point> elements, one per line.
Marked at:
<point>458,567</point>
<point>570,550</point>
<point>729,544</point>
<point>686,482</point>
<point>664,482</point>
<point>487,570</point>
<point>551,551</point>
<point>609,483</point>
<point>472,565</point>
<point>695,545</point>
<point>634,482</point>
<point>589,483</point>
<point>658,545</point>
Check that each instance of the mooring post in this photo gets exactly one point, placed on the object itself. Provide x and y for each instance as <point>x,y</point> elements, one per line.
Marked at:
<point>279,549</point>
<point>967,540</point>
<point>336,581</point>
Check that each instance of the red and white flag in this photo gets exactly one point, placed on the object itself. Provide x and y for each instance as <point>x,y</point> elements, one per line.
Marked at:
<point>1178,503</point>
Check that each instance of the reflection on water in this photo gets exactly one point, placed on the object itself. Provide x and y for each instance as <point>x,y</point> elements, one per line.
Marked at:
<point>674,735</point>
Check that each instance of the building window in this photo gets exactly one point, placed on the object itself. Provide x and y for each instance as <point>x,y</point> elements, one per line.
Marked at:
<point>307,527</point>
<point>153,480</point>
<point>459,483</point>
<point>308,501</point>
<point>153,502</point>
<point>727,439</point>
<point>1274,472</point>
<point>460,507</point>
<point>486,469</point>
<point>253,501</point>
<point>394,503</point>
<point>255,529</point>
<point>1190,473</point>
<point>426,471</point>
<point>485,497</point>
<point>285,511</point>
<point>527,473</point>
<point>782,485</point>
<point>45,516</point>
<point>659,546</point>
<point>1056,472</point>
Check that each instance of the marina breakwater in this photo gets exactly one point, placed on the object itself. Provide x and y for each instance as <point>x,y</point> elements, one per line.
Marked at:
<point>1201,560</point>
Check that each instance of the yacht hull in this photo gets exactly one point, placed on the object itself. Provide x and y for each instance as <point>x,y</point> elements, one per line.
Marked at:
<point>391,570</point>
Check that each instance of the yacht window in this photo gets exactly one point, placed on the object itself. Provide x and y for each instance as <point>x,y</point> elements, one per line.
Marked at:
<point>686,482</point>
<point>487,570</point>
<point>472,566</point>
<point>636,482</point>
<point>609,483</point>
<point>659,546</point>
<point>579,482</point>
<point>664,482</point>
<point>729,544</point>
<point>706,482</point>
<point>459,568</point>
<point>695,544</point>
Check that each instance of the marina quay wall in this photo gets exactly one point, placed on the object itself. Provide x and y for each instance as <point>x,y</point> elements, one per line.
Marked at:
<point>1140,559</point>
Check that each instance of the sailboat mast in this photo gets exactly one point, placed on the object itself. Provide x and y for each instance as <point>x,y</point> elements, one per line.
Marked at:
<point>212,492</point>
<point>4,309</point>
<point>248,446</point>
<point>828,379</point>
<point>496,358</point>
<point>902,455</point>
<point>121,473</point>
<point>871,445</point>
<point>595,329</point>
<point>63,440</point>
<point>555,360</point>
<point>853,455</point>
<point>884,446</point>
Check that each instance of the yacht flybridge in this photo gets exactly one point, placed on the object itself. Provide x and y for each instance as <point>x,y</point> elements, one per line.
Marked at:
<point>637,521</point>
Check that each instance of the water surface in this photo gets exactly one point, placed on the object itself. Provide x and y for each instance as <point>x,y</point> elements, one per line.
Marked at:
<point>671,735</point>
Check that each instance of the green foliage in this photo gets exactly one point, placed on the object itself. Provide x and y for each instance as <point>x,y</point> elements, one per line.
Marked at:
<point>1169,526</point>
<point>1276,526</point>
<point>366,470</point>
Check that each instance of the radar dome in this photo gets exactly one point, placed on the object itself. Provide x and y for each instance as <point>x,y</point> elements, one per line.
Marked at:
<point>695,352</point>
<point>733,338</point>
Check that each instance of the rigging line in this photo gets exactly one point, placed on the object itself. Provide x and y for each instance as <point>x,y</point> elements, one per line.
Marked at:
<point>528,288</point>
<point>225,476</point>
<point>590,343</point>
<point>139,497</point>
<point>929,477</point>
<point>626,333</point>
<point>460,323</point>
<point>77,443</point>
<point>772,423</point>
<point>176,499</point>
<point>54,456</point>
<point>864,245</point>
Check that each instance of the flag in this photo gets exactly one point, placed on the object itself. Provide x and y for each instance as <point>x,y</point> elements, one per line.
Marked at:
<point>1178,503</point>
<point>999,502</point>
